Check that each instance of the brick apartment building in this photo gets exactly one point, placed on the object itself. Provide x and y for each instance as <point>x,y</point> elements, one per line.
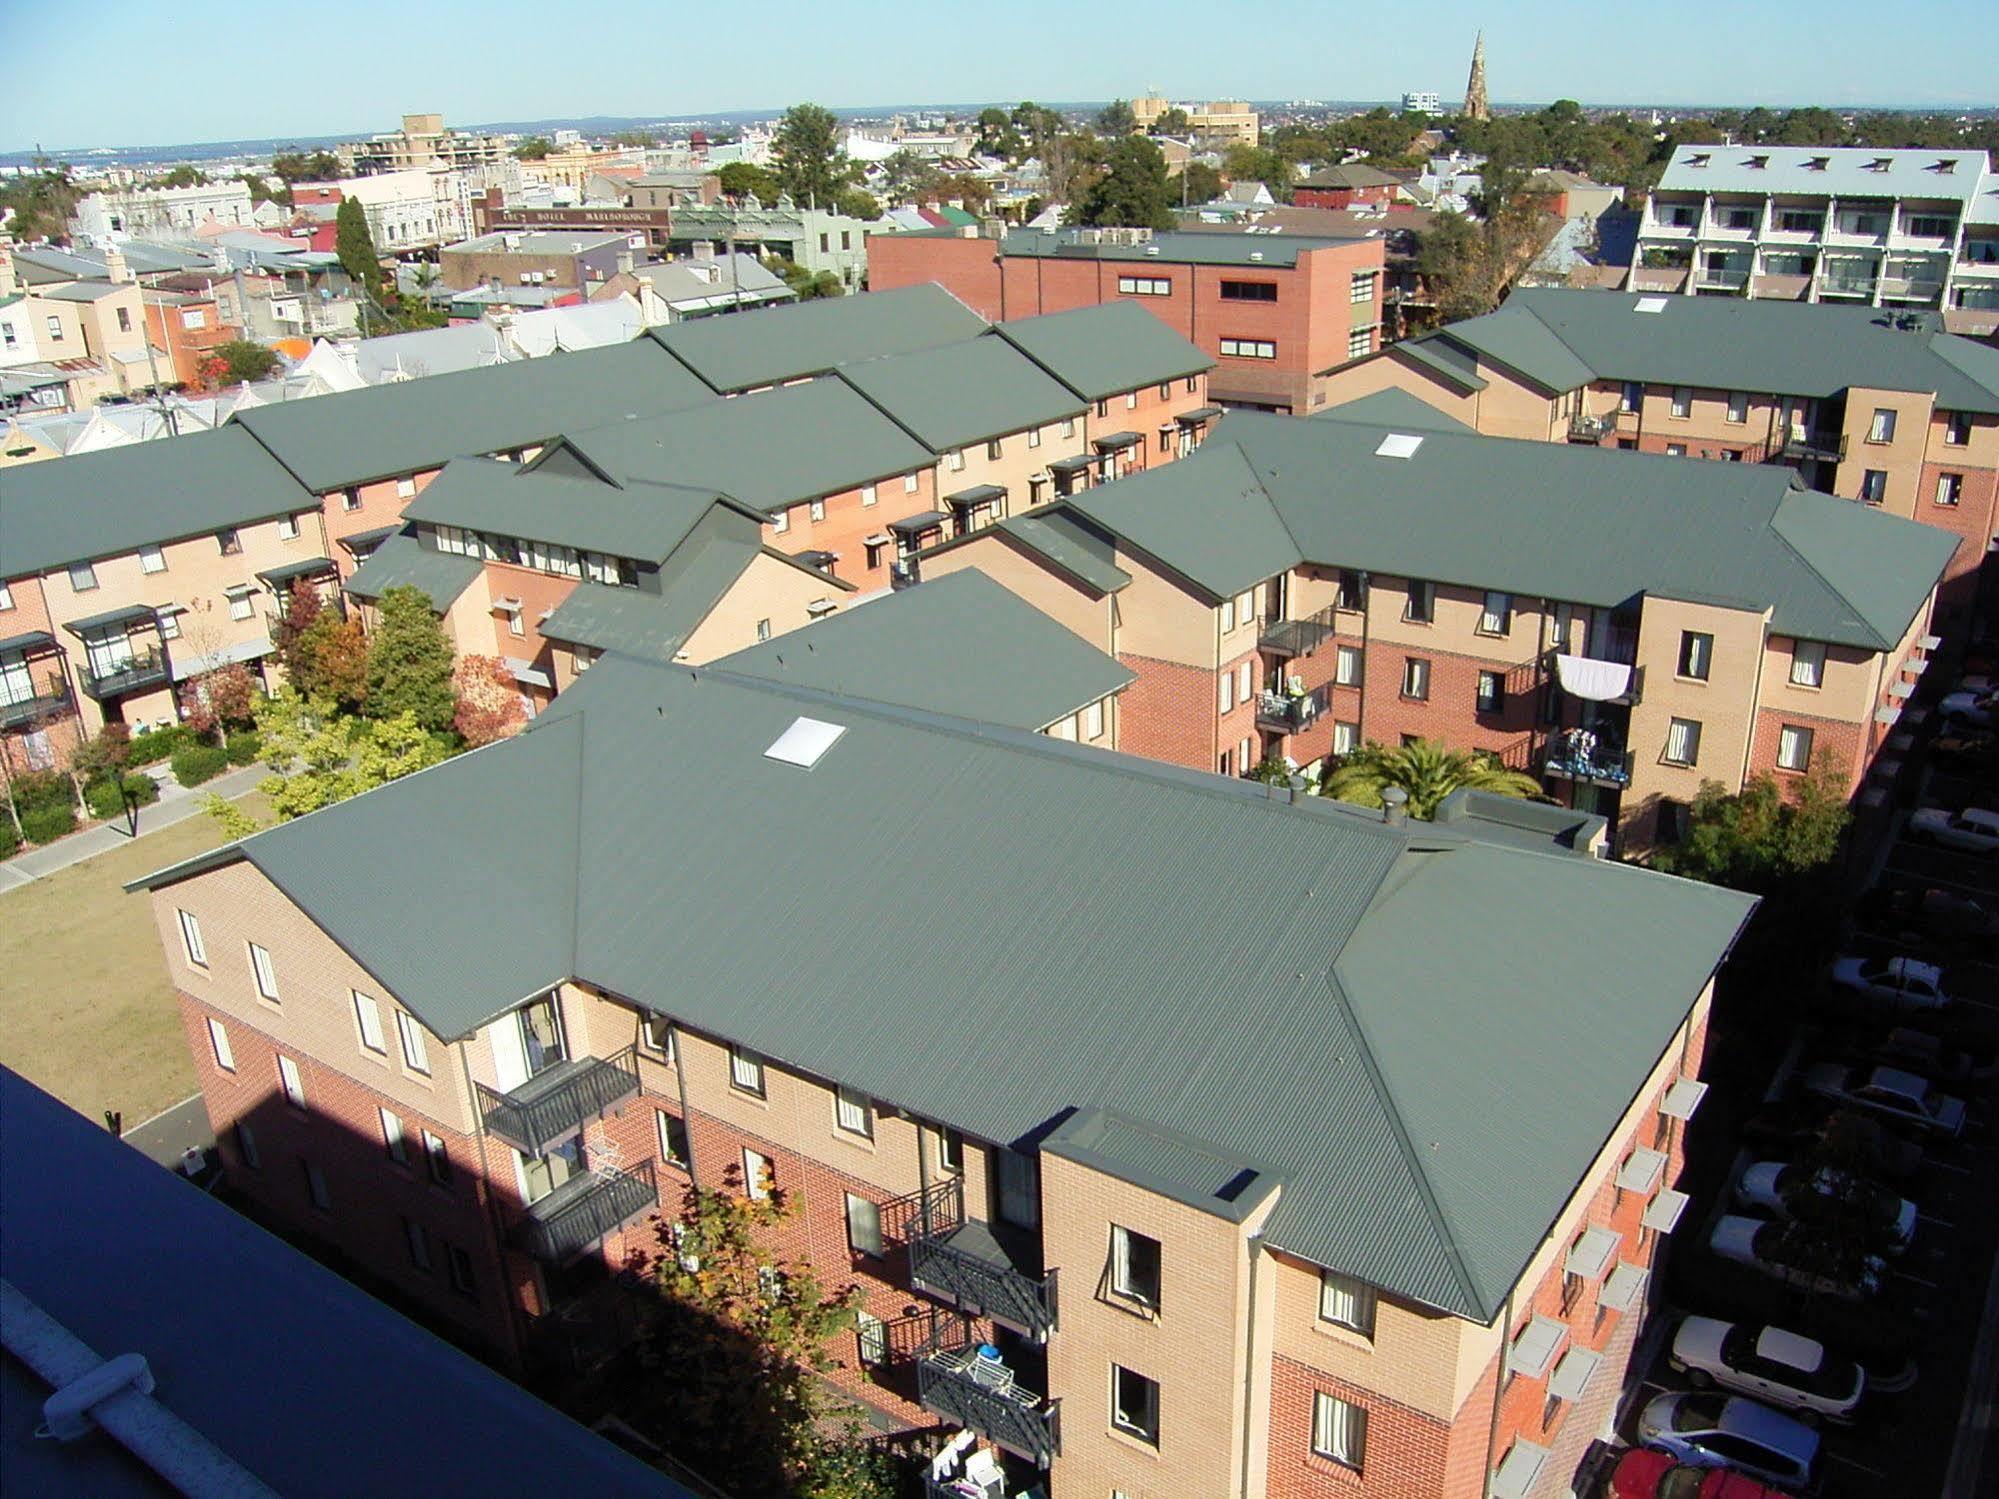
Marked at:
<point>1380,573</point>
<point>575,259</point>
<point>1348,185</point>
<point>1863,403</point>
<point>1277,315</point>
<point>1219,1248</point>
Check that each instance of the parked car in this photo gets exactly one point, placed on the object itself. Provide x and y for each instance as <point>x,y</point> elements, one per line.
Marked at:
<point>1911,915</point>
<point>1970,708</point>
<point>1920,1052</point>
<point>1964,749</point>
<point>1712,1430</point>
<point>1890,1093</point>
<point>1972,831</point>
<point>1760,1244</point>
<point>1644,1474</point>
<point>1811,1195</point>
<point>1768,1362</point>
<point>1905,983</point>
<point>1873,1147</point>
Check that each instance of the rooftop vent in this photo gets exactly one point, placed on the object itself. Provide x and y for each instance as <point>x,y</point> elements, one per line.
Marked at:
<point>1256,255</point>
<point>1818,163</point>
<point>1699,159</point>
<point>1757,163</point>
<point>1880,163</point>
<point>1650,304</point>
<point>805,742</point>
<point>1944,164</point>
<point>1398,445</point>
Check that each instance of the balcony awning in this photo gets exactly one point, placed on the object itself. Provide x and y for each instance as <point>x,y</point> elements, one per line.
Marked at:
<point>1075,464</point>
<point>1641,1171</point>
<point>1621,1292</point>
<point>1198,415</point>
<point>817,560</point>
<point>1664,1214</point>
<point>977,495</point>
<point>244,650</point>
<point>1573,1373</point>
<point>916,525</point>
<point>305,567</point>
<point>1117,442</point>
<point>363,542</point>
<point>1597,681</point>
<point>524,671</point>
<point>1593,1253</point>
<point>1683,1098</point>
<point>32,640</point>
<point>1535,1347</point>
<point>130,614</point>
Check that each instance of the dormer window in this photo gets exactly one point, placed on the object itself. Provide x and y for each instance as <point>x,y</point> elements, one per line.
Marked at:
<point>1880,164</point>
<point>1818,163</point>
<point>1944,165</point>
<point>1757,163</point>
<point>1699,159</point>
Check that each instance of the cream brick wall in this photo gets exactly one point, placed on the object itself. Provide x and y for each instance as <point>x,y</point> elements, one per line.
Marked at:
<point>1054,594</point>
<point>767,590</point>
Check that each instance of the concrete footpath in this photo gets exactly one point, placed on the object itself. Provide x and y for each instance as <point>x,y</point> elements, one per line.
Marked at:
<point>167,1136</point>
<point>177,803</point>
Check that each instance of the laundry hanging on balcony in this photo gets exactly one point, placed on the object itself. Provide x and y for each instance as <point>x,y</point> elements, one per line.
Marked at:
<point>1587,677</point>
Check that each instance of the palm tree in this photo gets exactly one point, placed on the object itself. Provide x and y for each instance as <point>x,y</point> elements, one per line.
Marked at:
<point>1427,770</point>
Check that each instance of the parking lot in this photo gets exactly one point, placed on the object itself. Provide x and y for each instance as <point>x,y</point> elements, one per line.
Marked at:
<point>1916,1335</point>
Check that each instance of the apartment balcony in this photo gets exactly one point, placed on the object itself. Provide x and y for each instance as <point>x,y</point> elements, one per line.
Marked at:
<point>1297,637</point>
<point>1851,234</point>
<point>557,1101</point>
<point>1912,288</point>
<point>1846,284</point>
<point>1706,279</point>
<point>38,708</point>
<point>1584,427</point>
<point>980,1393</point>
<point>1578,755</point>
<point>583,1209</point>
<point>962,1261</point>
<point>137,675</point>
<point>1818,447</point>
<point>1598,679</point>
<point>1287,715</point>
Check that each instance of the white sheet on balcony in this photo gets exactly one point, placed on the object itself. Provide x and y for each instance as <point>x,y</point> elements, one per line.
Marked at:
<point>1586,677</point>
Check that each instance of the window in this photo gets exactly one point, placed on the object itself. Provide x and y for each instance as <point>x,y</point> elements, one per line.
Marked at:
<point>1339,1430</point>
<point>1360,287</point>
<point>1248,348</point>
<point>1225,690</point>
<point>288,528</point>
<point>1874,485</point>
<point>392,1138</point>
<point>1068,426</point>
<point>228,541</point>
<point>1360,343</point>
<point>757,1174</point>
<point>170,621</point>
<point>1491,692</point>
<point>350,499</point>
<point>817,510</point>
<point>1131,400</point>
<point>1093,721</point>
<point>1956,428</point>
<point>1019,1188</point>
<point>1676,450</point>
<point>746,1071</point>
<point>1244,682</point>
<point>1228,615</point>
<point>218,1037</point>
<point>1346,738</point>
<point>6,597</point>
<point>190,936</point>
<point>1631,398</point>
<point>124,319</point>
<point>909,481</point>
<point>368,1015</point>
<point>291,1082</point>
<point>1696,654</point>
<point>1950,488</point>
<point>1807,663</point>
<point>1346,1302</point>
<point>1882,428</point>
<point>1135,1266</point>
<point>1348,590</point>
<point>1135,1404</point>
<point>870,1339</point>
<point>993,449</point>
<point>1144,286</point>
<point>1683,742</point>
<point>1034,437</point>
<point>1794,748</point>
<point>1103,408</point>
<point>1166,391</point>
<point>241,604</point>
<point>416,1051</point>
<point>263,973</point>
<point>315,1186</point>
<point>763,629</point>
<point>854,1113</point>
<point>864,1226</point>
<point>1346,666</point>
<point>1683,401</point>
<point>951,1151</point>
<point>867,494</point>
<point>246,1146</point>
<point>82,577</point>
<point>460,1266</point>
<point>1497,616</point>
<point>656,1035</point>
<point>1251,291</point>
<point>780,522</point>
<point>437,1159</point>
<point>419,1244</point>
<point>152,560</point>
<point>672,1138</point>
<point>1738,406</point>
<point>405,489</point>
<point>1422,605</point>
<point>1416,678</point>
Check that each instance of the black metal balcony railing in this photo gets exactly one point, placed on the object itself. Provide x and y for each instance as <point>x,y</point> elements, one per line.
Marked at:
<point>961,1387</point>
<point>1579,756</point>
<point>50,703</point>
<point>1829,447</point>
<point>146,670</point>
<point>1287,715</point>
<point>558,1100</point>
<point>583,1209</point>
<point>1584,427</point>
<point>1298,637</point>
<point>968,1268</point>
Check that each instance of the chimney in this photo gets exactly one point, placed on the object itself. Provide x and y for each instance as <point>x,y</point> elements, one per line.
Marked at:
<point>8,285</point>
<point>1394,806</point>
<point>625,261</point>
<point>115,269</point>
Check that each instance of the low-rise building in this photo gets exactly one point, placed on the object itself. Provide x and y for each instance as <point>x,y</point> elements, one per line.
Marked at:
<point>1222,121</point>
<point>816,239</point>
<point>1346,185</point>
<point>555,259</point>
<point>139,212</point>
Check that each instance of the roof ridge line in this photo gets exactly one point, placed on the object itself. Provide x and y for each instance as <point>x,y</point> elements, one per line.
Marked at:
<point>1595,373</point>
<point>1830,587</point>
<point>1263,488</point>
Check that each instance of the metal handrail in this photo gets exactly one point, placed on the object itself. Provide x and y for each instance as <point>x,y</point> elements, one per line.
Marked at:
<point>1032,1430</point>
<point>55,699</point>
<point>978,1285</point>
<point>139,671</point>
<point>545,1108</point>
<point>581,1217</point>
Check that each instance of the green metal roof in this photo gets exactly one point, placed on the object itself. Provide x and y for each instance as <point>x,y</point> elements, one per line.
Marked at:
<point>1394,407</point>
<point>117,500</point>
<point>403,561</point>
<point>1246,251</point>
<point>960,644</point>
<point>965,392</point>
<point>654,626</point>
<point>768,450</point>
<point>768,345</point>
<point>1348,1017</point>
<point>1061,538</point>
<point>1106,349</point>
<point>640,520</point>
<point>385,431</point>
<point>1163,1161</point>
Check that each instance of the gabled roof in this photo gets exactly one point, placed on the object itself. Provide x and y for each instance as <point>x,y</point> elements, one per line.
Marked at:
<point>1836,171</point>
<point>1212,522</point>
<point>1383,984</point>
<point>965,392</point>
<point>1105,349</point>
<point>1392,406</point>
<point>118,499</point>
<point>1062,539</point>
<point>809,338</point>
<point>960,644</point>
<point>405,562</point>
<point>1351,174</point>
<point>355,437</point>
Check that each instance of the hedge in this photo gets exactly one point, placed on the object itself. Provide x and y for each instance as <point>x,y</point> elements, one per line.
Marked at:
<point>105,803</point>
<point>45,824</point>
<point>9,839</point>
<point>244,747</point>
<point>160,744</point>
<point>199,762</point>
<point>42,788</point>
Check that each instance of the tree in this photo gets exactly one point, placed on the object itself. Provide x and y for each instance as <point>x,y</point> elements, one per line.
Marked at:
<point>40,202</point>
<point>219,699</point>
<point>643,139</point>
<point>998,135</point>
<point>811,166</point>
<point>183,176</point>
<point>807,286</point>
<point>1116,119</point>
<point>534,148</point>
<point>1242,163</point>
<point>907,175</point>
<point>355,245</point>
<point>858,204</point>
<point>332,661</point>
<point>301,166</point>
<point>244,360</point>
<point>1172,122</point>
<point>1197,182</point>
<point>1759,838</point>
<point>301,612</point>
<point>742,179</point>
<point>974,193</point>
<point>1839,1234</point>
<point>1037,124</point>
<point>409,662</point>
<point>1427,770</point>
<point>318,757</point>
<point>1131,191</point>
<point>489,704</point>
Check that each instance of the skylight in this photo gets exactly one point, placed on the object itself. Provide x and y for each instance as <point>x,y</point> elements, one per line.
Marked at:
<point>805,742</point>
<point>1650,304</point>
<point>1398,445</point>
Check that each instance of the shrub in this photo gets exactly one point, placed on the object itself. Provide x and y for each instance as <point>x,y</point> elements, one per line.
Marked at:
<point>105,802</point>
<point>42,788</point>
<point>46,823</point>
<point>161,744</point>
<point>199,762</point>
<point>10,840</point>
<point>244,747</point>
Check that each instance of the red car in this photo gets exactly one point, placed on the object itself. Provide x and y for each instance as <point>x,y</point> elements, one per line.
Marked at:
<point>1644,1474</point>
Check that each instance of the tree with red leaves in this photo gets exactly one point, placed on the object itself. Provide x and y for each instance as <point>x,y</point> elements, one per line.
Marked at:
<point>218,698</point>
<point>489,704</point>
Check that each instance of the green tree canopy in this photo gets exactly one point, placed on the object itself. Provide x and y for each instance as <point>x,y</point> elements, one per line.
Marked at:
<point>1131,190</point>
<point>1759,838</point>
<point>245,360</point>
<point>811,164</point>
<point>409,663</point>
<point>1116,119</point>
<point>742,179</point>
<point>38,204</point>
<point>534,148</point>
<point>908,174</point>
<point>1242,163</point>
<point>1037,124</point>
<point>998,136</point>
<point>183,175</point>
<point>1197,182</point>
<point>1173,122</point>
<point>306,166</point>
<point>858,203</point>
<point>355,245</point>
<point>1427,770</point>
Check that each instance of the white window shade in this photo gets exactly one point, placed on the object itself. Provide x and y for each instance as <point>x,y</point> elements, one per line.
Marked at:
<point>1572,1374</point>
<point>1623,1290</point>
<point>1596,681</point>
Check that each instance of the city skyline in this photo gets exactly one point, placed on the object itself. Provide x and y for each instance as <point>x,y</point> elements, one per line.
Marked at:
<point>1536,52</point>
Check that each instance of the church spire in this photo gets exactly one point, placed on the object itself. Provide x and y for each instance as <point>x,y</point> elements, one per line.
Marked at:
<point>1477,106</point>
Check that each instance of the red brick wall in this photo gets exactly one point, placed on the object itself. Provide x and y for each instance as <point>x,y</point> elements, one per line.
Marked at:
<point>1170,713</point>
<point>1834,742</point>
<point>380,506</point>
<point>848,523</point>
<point>1405,1457</point>
<point>1975,518</point>
<point>1450,713</point>
<point>964,267</point>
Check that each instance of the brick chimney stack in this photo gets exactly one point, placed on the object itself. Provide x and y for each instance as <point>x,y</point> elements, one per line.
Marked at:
<point>115,269</point>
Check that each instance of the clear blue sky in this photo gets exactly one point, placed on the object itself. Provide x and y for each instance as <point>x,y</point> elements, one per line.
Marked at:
<point>126,73</point>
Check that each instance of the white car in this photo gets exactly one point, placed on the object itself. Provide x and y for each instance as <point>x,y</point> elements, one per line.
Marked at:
<point>1770,1363</point>
<point>1906,983</point>
<point>1717,1431</point>
<point>1970,707</point>
<point>1972,831</point>
<point>1810,1195</point>
<point>1890,1093</point>
<point>1758,1243</point>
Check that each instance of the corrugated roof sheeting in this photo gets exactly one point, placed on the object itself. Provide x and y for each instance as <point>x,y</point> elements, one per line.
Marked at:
<point>1106,349</point>
<point>643,521</point>
<point>403,561</point>
<point>965,392</point>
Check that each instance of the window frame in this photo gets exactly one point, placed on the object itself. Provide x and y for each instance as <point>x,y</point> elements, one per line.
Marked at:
<point>415,1048</point>
<point>847,1103</point>
<point>1682,406</point>
<point>747,1064</point>
<point>368,1023</point>
<point>1497,623</point>
<point>1361,1321</point>
<point>759,1180</point>
<point>1696,649</point>
<point>1811,655</point>
<point>218,1041</point>
<point>1689,730</point>
<point>291,1081</point>
<point>1416,679</point>
<point>262,973</point>
<point>1148,1431</point>
<point>1795,734</point>
<point>191,940</point>
<point>437,1158</point>
<point>1881,426</point>
<point>860,1240</point>
<point>1493,701</point>
<point>1336,1442</point>
<point>667,1126</point>
<point>1126,1279</point>
<point>1342,655</point>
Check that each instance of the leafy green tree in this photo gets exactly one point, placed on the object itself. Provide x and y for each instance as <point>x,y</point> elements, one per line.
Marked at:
<point>1759,838</point>
<point>261,190</point>
<point>39,204</point>
<point>1173,122</point>
<point>742,179</point>
<point>534,148</point>
<point>1426,770</point>
<point>1037,124</point>
<point>643,139</point>
<point>409,662</point>
<point>808,286</point>
<point>184,175</point>
<point>975,193</point>
<point>355,245</point>
<point>1197,182</point>
<point>857,203</point>
<point>306,166</point>
<point>331,656</point>
<point>811,165</point>
<point>907,174</point>
<point>1116,119</point>
<point>318,756</point>
<point>245,360</point>
<point>998,136</point>
<point>1131,190</point>
<point>1242,163</point>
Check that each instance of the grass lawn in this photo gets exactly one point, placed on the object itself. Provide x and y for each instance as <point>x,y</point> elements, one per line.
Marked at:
<point>85,1008</point>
